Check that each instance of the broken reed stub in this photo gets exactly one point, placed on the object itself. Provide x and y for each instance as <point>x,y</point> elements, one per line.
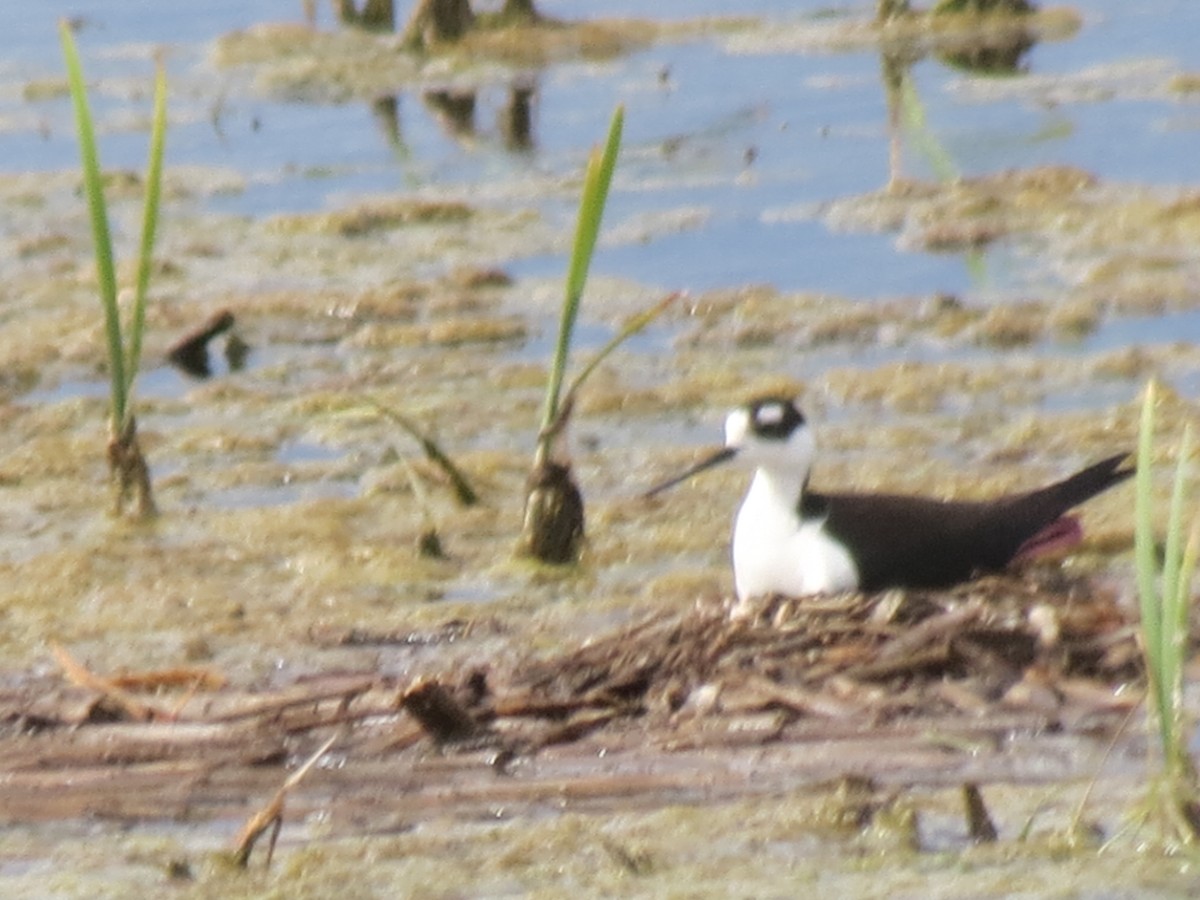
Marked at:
<point>552,531</point>
<point>439,712</point>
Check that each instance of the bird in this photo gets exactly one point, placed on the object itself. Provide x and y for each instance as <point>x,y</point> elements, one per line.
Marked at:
<point>790,539</point>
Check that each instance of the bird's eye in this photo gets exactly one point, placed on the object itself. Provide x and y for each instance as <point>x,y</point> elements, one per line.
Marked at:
<point>775,419</point>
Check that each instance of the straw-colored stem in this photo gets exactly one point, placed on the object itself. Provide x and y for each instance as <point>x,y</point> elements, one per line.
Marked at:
<point>463,490</point>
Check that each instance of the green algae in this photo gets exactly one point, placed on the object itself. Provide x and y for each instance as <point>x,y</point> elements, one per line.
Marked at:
<point>785,844</point>
<point>300,62</point>
<point>1124,246</point>
<point>372,217</point>
<point>909,32</point>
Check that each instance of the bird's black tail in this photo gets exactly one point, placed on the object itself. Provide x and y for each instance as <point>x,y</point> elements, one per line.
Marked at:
<point>1087,483</point>
<point>1038,521</point>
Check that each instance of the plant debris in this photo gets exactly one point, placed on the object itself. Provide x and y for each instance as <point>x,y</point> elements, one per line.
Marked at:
<point>1029,653</point>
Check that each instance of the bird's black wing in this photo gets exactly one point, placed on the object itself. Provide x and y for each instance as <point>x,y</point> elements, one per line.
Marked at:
<point>901,541</point>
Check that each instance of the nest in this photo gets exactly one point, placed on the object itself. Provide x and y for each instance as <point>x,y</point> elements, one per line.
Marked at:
<point>1032,642</point>
<point>826,681</point>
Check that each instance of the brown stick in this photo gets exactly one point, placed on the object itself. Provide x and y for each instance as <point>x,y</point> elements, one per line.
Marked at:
<point>271,815</point>
<point>80,675</point>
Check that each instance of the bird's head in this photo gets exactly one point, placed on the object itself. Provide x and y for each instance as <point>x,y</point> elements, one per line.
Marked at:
<point>768,432</point>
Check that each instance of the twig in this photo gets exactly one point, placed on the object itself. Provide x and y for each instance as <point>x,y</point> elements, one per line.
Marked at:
<point>945,624</point>
<point>271,815</point>
<point>80,675</point>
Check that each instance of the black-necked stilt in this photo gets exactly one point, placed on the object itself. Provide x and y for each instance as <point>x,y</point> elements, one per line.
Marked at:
<point>789,539</point>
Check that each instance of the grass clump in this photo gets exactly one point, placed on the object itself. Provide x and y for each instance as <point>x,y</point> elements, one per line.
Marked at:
<point>552,527</point>
<point>1164,592</point>
<point>127,464</point>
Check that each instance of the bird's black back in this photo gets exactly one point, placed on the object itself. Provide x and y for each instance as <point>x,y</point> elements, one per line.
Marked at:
<point>902,541</point>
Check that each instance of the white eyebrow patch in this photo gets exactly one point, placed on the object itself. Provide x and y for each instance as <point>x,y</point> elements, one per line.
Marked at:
<point>771,414</point>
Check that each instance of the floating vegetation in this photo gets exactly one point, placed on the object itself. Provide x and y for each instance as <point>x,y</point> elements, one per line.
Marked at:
<point>127,464</point>
<point>983,7</point>
<point>963,32</point>
<point>373,217</point>
<point>300,61</point>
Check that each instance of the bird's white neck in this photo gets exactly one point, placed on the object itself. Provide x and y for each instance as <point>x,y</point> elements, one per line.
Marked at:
<point>776,552</point>
<point>779,488</point>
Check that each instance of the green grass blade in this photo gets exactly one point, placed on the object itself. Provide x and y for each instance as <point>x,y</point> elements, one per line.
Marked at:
<point>1180,768</point>
<point>913,113</point>
<point>94,189</point>
<point>463,490</point>
<point>1143,518</point>
<point>632,326</point>
<point>1165,600</point>
<point>158,133</point>
<point>1176,589</point>
<point>596,183</point>
<point>591,210</point>
<point>1174,542</point>
<point>1148,584</point>
<point>1187,570</point>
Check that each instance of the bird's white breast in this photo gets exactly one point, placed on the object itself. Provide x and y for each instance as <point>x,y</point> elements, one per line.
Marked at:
<point>775,552</point>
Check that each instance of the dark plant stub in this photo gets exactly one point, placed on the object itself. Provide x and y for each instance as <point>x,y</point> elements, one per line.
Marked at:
<point>237,351</point>
<point>429,545</point>
<point>375,15</point>
<point>553,527</point>
<point>442,716</point>
<point>435,22</point>
<point>190,353</point>
<point>130,474</point>
<point>1002,54</point>
<point>980,826</point>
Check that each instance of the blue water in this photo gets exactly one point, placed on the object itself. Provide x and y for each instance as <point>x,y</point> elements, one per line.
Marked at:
<point>815,124</point>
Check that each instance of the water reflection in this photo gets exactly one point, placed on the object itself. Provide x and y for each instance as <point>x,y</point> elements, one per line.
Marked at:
<point>981,51</point>
<point>997,54</point>
<point>455,111</point>
<point>516,119</point>
<point>386,113</point>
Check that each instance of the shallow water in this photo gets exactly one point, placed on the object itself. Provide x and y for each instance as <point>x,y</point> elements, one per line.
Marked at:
<point>816,121</point>
<point>288,505</point>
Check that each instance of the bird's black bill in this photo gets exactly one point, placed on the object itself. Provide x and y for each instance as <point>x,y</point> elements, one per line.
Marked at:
<point>723,455</point>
